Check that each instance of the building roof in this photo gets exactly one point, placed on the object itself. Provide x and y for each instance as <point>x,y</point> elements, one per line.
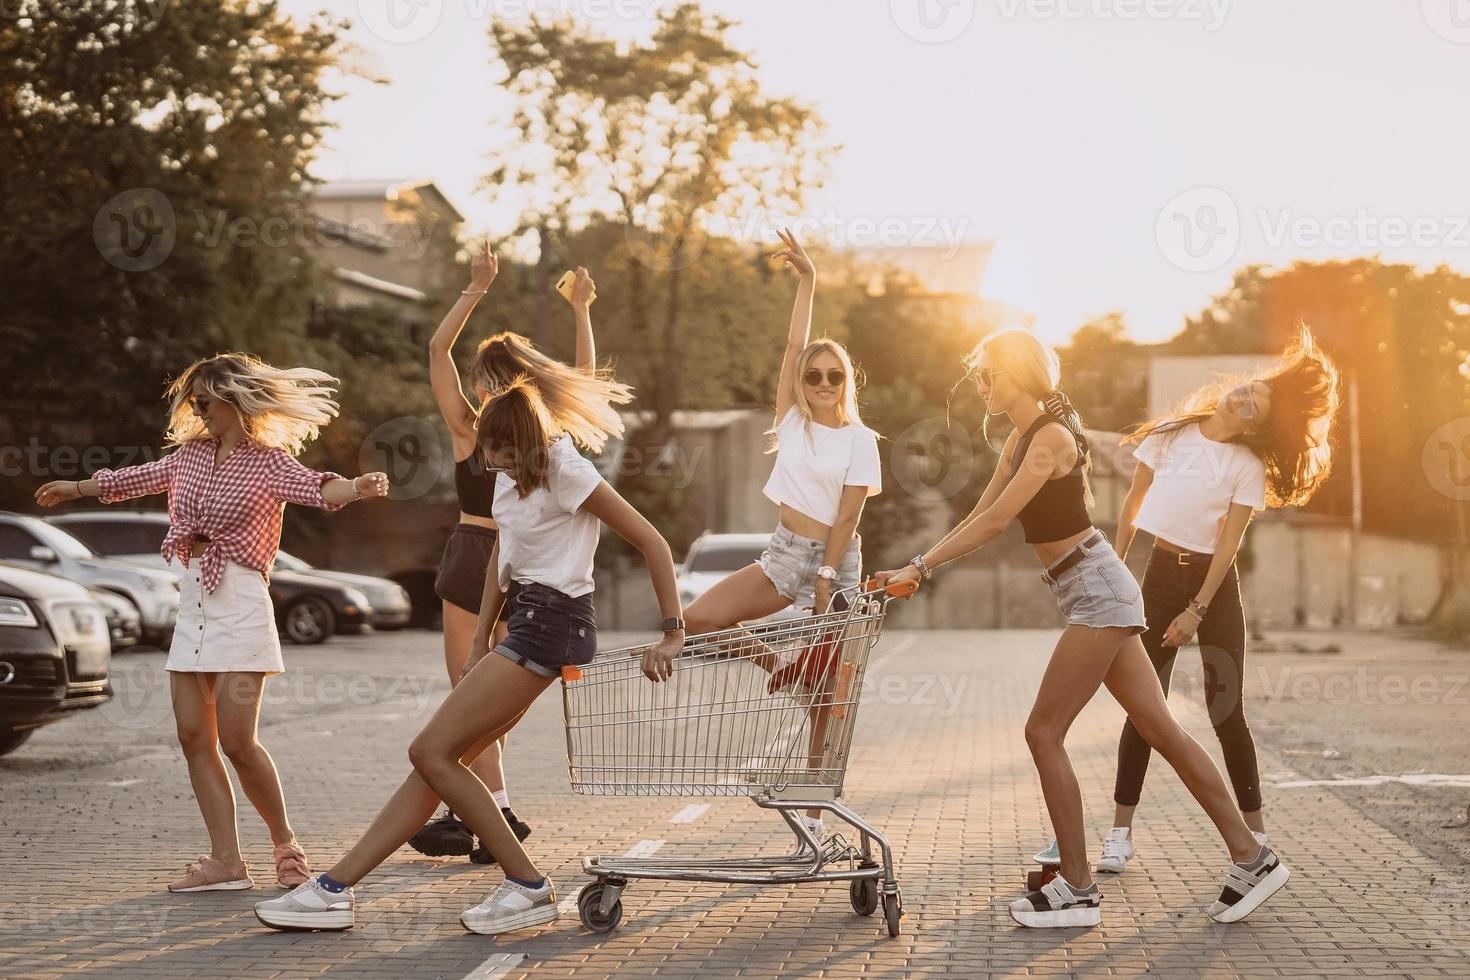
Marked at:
<point>385,189</point>
<point>373,283</point>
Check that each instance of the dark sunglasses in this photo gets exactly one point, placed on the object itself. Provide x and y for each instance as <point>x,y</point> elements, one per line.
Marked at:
<point>987,376</point>
<point>835,377</point>
<point>200,404</point>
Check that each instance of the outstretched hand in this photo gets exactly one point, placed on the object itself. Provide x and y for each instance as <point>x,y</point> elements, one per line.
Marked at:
<point>58,492</point>
<point>371,485</point>
<point>795,256</point>
<point>584,290</point>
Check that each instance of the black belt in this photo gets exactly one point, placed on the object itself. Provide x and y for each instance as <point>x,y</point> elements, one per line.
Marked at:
<point>1075,555</point>
<point>1184,557</point>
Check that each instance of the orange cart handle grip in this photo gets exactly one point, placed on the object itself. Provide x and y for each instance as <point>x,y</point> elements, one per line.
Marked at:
<point>901,590</point>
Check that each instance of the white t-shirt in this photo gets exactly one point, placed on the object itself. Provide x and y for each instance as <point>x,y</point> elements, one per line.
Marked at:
<point>544,536</point>
<point>811,471</point>
<point>1195,481</point>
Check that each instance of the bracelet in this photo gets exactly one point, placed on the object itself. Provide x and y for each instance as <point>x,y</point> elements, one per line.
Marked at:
<point>474,292</point>
<point>1198,608</point>
<point>925,572</point>
<point>78,485</point>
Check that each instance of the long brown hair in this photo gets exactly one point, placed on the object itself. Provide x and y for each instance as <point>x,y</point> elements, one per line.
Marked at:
<point>515,417</point>
<point>579,403</point>
<point>1294,442</point>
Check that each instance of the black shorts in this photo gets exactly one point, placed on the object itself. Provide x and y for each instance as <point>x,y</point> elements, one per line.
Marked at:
<point>466,562</point>
<point>548,629</point>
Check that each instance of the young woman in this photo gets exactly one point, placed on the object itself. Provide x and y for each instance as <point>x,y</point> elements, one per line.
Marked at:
<point>1202,473</point>
<point>1041,481</point>
<point>550,504</point>
<point>826,468</point>
<point>238,424</point>
<point>461,579</point>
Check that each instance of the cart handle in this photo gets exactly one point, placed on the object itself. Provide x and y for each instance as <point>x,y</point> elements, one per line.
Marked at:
<point>901,590</point>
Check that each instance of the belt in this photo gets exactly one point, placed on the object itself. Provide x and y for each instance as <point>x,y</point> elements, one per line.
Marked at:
<point>1075,555</point>
<point>1183,557</point>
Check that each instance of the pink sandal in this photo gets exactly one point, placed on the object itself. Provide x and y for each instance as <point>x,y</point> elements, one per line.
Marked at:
<point>292,868</point>
<point>209,875</point>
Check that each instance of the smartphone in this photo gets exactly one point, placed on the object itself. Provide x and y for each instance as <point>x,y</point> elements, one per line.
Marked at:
<point>564,284</point>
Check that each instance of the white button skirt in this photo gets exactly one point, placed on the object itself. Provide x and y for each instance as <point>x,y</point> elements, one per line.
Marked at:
<point>232,628</point>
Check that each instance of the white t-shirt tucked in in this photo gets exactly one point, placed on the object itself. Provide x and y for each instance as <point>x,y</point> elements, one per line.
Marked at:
<point>544,536</point>
<point>811,470</point>
<point>1195,481</point>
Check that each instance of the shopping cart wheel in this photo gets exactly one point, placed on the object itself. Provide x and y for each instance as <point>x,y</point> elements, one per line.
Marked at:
<point>864,895</point>
<point>589,902</point>
<point>893,911</point>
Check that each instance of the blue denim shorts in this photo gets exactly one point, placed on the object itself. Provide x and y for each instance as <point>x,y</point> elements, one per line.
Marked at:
<point>791,561</point>
<point>1099,590</point>
<point>548,629</point>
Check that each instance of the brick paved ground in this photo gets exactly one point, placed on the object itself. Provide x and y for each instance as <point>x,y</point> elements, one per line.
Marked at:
<point>96,816</point>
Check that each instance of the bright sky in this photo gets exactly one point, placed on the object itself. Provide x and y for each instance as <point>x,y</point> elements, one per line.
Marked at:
<point>1124,154</point>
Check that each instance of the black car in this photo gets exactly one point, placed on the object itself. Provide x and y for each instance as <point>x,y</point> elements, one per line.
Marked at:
<point>310,607</point>
<point>54,652</point>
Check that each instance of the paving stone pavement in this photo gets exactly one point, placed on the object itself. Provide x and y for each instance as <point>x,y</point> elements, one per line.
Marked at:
<point>96,816</point>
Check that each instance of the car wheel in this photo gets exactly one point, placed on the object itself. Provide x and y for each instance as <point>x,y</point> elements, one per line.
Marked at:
<point>309,620</point>
<point>12,739</point>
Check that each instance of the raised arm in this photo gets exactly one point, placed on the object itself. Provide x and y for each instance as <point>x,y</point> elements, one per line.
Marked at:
<point>458,413</point>
<point>796,259</point>
<point>608,506</point>
<point>584,293</point>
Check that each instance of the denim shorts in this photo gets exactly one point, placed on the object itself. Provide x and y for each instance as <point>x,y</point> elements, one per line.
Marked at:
<point>791,561</point>
<point>1099,590</point>
<point>548,629</point>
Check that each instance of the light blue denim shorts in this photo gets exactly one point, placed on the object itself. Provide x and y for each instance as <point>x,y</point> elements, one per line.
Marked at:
<point>1099,590</point>
<point>791,561</point>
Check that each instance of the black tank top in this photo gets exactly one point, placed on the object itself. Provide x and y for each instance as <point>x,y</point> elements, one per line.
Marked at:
<point>473,486</point>
<point>1059,509</point>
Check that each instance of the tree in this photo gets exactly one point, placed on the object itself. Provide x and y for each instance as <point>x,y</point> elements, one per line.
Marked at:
<point>152,160</point>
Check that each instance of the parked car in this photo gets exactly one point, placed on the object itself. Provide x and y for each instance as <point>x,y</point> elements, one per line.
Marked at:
<point>392,608</point>
<point>713,556</point>
<point>309,607</point>
<point>54,652</point>
<point>124,625</point>
<point>44,547</point>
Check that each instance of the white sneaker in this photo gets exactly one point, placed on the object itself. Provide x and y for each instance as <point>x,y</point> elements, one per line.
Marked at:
<point>1057,905</point>
<point>308,906</point>
<point>1248,885</point>
<point>1117,851</point>
<point>1260,835</point>
<point>512,906</point>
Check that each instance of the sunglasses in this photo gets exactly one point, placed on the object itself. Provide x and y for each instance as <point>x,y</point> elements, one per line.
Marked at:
<point>987,376</point>
<point>1245,405</point>
<point>835,377</point>
<point>200,404</point>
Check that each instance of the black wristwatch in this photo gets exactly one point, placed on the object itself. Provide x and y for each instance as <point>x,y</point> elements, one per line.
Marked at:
<point>672,625</point>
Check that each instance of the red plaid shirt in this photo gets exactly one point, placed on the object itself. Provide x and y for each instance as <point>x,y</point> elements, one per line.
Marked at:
<point>237,506</point>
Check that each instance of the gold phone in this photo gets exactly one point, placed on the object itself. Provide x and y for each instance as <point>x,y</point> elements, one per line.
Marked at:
<point>564,284</point>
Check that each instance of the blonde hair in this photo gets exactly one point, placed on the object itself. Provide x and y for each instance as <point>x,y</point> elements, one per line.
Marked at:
<point>516,418</point>
<point>847,406</point>
<point>1037,371</point>
<point>279,408</point>
<point>577,402</point>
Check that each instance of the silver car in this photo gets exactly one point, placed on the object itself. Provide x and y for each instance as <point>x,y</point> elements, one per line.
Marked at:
<point>33,543</point>
<point>713,556</point>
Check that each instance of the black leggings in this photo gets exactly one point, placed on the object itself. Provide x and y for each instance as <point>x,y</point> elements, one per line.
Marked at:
<point>1168,586</point>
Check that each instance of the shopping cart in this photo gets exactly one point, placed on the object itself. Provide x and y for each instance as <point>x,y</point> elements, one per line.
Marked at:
<point>763,711</point>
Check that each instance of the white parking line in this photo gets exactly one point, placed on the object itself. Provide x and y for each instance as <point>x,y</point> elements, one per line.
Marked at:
<point>690,813</point>
<point>644,848</point>
<point>1411,779</point>
<point>496,966</point>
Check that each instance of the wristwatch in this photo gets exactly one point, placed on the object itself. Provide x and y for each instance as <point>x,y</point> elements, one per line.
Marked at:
<point>827,572</point>
<point>672,625</point>
<point>925,572</point>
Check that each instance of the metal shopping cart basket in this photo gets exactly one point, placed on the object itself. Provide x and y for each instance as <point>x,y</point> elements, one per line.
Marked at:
<point>764,712</point>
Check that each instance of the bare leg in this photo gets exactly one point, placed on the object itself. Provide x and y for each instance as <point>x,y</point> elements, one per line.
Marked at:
<point>401,817</point>
<point>237,700</point>
<point>194,720</point>
<point>459,630</point>
<point>1132,680</point>
<point>489,699</point>
<point>1075,672</point>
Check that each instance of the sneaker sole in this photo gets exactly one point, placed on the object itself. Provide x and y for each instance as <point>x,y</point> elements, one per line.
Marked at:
<point>523,920</point>
<point>1256,897</point>
<point>239,885</point>
<point>1108,869</point>
<point>307,921</point>
<point>1061,919</point>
